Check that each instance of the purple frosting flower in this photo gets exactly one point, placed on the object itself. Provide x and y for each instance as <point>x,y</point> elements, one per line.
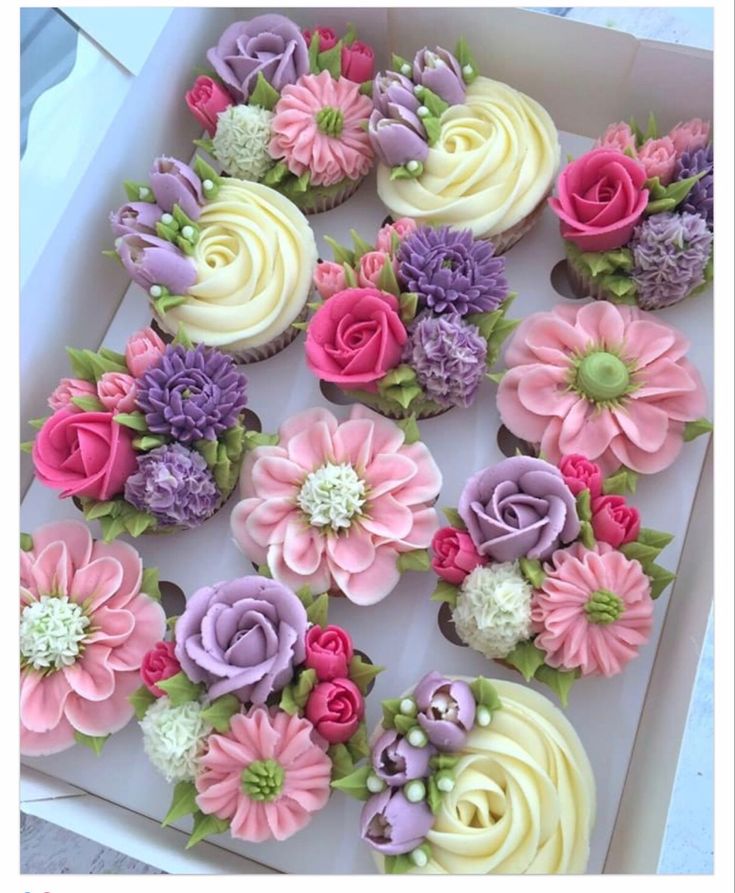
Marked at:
<point>395,129</point>
<point>446,710</point>
<point>269,43</point>
<point>174,485</point>
<point>242,637</point>
<point>153,261</point>
<point>448,357</point>
<point>396,761</point>
<point>393,97</point>
<point>440,72</point>
<point>192,394</point>
<point>670,253</point>
<point>701,196</point>
<point>519,508</point>
<point>392,824</point>
<point>451,271</point>
<point>175,183</point>
<point>135,217</point>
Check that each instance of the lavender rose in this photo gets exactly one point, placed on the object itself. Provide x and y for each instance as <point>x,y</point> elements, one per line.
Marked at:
<point>153,261</point>
<point>175,183</point>
<point>242,637</point>
<point>440,72</point>
<point>396,761</point>
<point>393,825</point>
<point>446,710</point>
<point>519,508</point>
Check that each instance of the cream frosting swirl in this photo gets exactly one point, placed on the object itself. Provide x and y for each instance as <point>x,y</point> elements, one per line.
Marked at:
<point>494,161</point>
<point>254,258</point>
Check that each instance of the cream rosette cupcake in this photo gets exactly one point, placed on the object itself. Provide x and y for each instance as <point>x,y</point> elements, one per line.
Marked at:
<point>459,149</point>
<point>228,260</point>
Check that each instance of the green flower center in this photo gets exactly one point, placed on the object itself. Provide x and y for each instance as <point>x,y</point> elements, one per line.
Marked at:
<point>52,633</point>
<point>332,495</point>
<point>262,780</point>
<point>330,120</point>
<point>603,607</point>
<point>602,377</point>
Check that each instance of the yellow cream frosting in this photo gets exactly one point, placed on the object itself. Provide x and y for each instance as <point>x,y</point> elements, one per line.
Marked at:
<point>495,160</point>
<point>255,259</point>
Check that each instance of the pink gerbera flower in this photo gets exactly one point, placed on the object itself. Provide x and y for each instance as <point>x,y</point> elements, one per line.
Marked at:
<point>593,610</point>
<point>85,627</point>
<point>609,382</point>
<point>266,775</point>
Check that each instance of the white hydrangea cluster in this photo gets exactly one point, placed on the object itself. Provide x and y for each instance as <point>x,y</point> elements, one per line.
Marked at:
<point>52,632</point>
<point>493,610</point>
<point>332,495</point>
<point>173,736</point>
<point>242,139</point>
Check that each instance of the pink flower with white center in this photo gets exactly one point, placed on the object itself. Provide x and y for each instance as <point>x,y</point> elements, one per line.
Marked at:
<point>85,627</point>
<point>334,504</point>
<point>593,611</point>
<point>609,382</point>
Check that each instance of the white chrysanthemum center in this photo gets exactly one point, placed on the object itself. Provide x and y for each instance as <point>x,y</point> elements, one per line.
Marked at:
<point>52,632</point>
<point>173,738</point>
<point>493,610</point>
<point>241,141</point>
<point>332,495</point>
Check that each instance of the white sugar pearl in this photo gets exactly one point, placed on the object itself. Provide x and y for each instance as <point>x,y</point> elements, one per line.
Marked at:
<point>155,291</point>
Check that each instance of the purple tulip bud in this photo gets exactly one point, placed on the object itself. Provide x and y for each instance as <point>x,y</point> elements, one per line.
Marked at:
<point>395,143</point>
<point>175,183</point>
<point>153,261</point>
<point>392,825</point>
<point>440,72</point>
<point>396,761</point>
<point>135,217</point>
<point>446,710</point>
<point>391,88</point>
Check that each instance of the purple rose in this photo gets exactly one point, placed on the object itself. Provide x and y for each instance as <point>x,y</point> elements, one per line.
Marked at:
<point>396,761</point>
<point>393,825</point>
<point>153,261</point>
<point>134,218</point>
<point>175,183</point>
<point>519,508</point>
<point>446,710</point>
<point>269,43</point>
<point>242,637</point>
<point>394,142</point>
<point>440,72</point>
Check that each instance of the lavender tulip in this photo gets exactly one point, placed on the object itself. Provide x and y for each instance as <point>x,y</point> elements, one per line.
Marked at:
<point>393,825</point>
<point>396,761</point>
<point>446,710</point>
<point>440,72</point>
<point>175,183</point>
<point>135,217</point>
<point>394,98</point>
<point>395,143</point>
<point>153,261</point>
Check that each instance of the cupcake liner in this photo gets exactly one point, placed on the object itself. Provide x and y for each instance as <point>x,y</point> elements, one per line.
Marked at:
<point>320,199</point>
<point>379,404</point>
<point>505,240</point>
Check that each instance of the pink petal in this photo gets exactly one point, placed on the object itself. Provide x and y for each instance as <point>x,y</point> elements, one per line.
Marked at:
<point>239,528</point>
<point>150,627</point>
<point>353,442</point>
<point>587,430</point>
<point>425,485</point>
<point>274,477</point>
<point>104,717</point>
<point>646,341</point>
<point>98,582</point>
<point>304,421</point>
<point>91,677</point>
<point>663,378</point>
<point>628,454</point>
<point>112,628</point>
<point>320,581</point>
<point>75,534</point>
<point>389,471</point>
<point>642,424</point>
<point>551,339</point>
<point>549,443</point>
<point>513,413</point>
<point>41,744</point>
<point>372,585</point>
<point>310,449</point>
<point>303,547</point>
<point>52,570</point>
<point>132,569</point>
<point>544,390</point>
<point>42,699</point>
<point>387,518</point>
<point>247,488</point>
<point>266,523</point>
<point>603,323</point>
<point>353,551</point>
<point>387,436</point>
<point>425,525</point>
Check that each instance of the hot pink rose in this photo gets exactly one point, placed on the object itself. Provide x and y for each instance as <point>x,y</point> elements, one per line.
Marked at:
<point>142,351</point>
<point>329,278</point>
<point>658,157</point>
<point>335,709</point>
<point>402,227</point>
<point>117,391</point>
<point>600,198</point>
<point>327,37</point>
<point>581,474</point>
<point>206,100</point>
<point>158,664</point>
<point>328,651</point>
<point>358,62</point>
<point>68,388</point>
<point>84,454</point>
<point>355,338</point>
<point>688,136</point>
<point>614,521</point>
<point>370,267</point>
<point>617,136</point>
<point>455,555</point>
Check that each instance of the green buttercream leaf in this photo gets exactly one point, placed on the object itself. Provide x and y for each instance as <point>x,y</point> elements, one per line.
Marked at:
<point>485,694</point>
<point>485,322</point>
<point>620,286</point>
<point>96,510</point>
<point>433,129</point>
<point>584,509</point>
<point>660,578</point>
<point>276,174</point>
<point>220,712</point>
<point>206,826</point>
<point>304,595</point>
<point>183,338</point>
<point>149,442</point>
<point>341,254</point>
<point>434,103</point>
<point>38,423</point>
<point>398,62</point>
<point>657,538</point>
<point>342,762</point>
<point>318,610</point>
<point>207,449</point>
<point>94,742</point>
<point>401,375</point>
<point>26,542</point>
<point>674,194</point>
<point>433,795</point>
<point>640,552</point>
<point>366,88</point>
<point>444,761</point>
<point>254,439</point>
<point>331,60</point>
<point>454,518</point>
<point>301,690</point>
<point>401,172</point>
<point>693,430</point>
<point>168,302</point>
<point>660,206</point>
<point>391,708</point>
<point>350,277</point>
<point>287,702</point>
<point>415,560</point>
<point>264,571</point>
<point>387,279</point>
<point>180,689</point>
<point>141,699</point>
<point>358,745</point>
<point>532,571</point>
<point>222,468</point>
<point>80,364</point>
<point>526,658</point>
<point>111,253</point>
<point>465,58</point>
<point>183,802</point>
<point>403,723</point>
<point>138,522</point>
<point>361,246</point>
<point>205,171</point>
<point>623,481</point>
<point>587,534</point>
<point>410,429</point>
<point>445,592</point>
<point>559,681</point>
<point>206,144</point>
<point>150,583</point>
<point>88,403</point>
<point>362,672</point>
<point>409,303</point>
<point>301,184</point>
<point>502,329</point>
<point>314,53</point>
<point>354,784</point>
<point>651,128</point>
<point>171,621</point>
<point>135,420</point>
<point>637,132</point>
<point>264,94</point>
<point>139,192</point>
<point>398,864</point>
<point>26,446</point>
<point>111,528</point>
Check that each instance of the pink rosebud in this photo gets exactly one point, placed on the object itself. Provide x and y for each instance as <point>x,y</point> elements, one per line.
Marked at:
<point>329,278</point>
<point>158,664</point>
<point>117,391</point>
<point>206,100</point>
<point>142,351</point>
<point>617,136</point>
<point>68,388</point>
<point>658,157</point>
<point>335,709</point>
<point>358,62</point>
<point>454,555</point>
<point>688,136</point>
<point>327,37</point>
<point>328,651</point>
<point>581,474</point>
<point>614,521</point>
<point>402,227</point>
<point>370,267</point>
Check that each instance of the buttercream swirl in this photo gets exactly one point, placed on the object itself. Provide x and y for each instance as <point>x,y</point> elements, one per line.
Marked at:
<point>254,258</point>
<point>495,159</point>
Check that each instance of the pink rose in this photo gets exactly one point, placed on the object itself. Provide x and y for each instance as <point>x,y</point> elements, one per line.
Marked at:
<point>158,664</point>
<point>614,521</point>
<point>370,267</point>
<point>581,474</point>
<point>600,198</point>
<point>658,157</point>
<point>355,338</point>
<point>455,555</point>
<point>117,391</point>
<point>688,136</point>
<point>328,651</point>
<point>329,278</point>
<point>84,454</point>
<point>142,351</point>
<point>617,136</point>
<point>402,227</point>
<point>358,62</point>
<point>206,100</point>
<point>68,388</point>
<point>327,37</point>
<point>335,709</point>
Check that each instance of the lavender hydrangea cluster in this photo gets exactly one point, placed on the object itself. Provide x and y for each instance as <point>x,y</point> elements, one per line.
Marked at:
<point>700,199</point>
<point>451,271</point>
<point>670,253</point>
<point>192,394</point>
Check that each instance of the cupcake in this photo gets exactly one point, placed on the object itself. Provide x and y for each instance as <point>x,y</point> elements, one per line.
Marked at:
<point>252,709</point>
<point>475,776</point>
<point>455,148</point>
<point>547,569</point>
<point>288,108</point>
<point>149,441</point>
<point>334,506</point>
<point>412,325</point>
<point>229,259</point>
<point>88,614</point>
<point>610,382</point>
<point>636,215</point>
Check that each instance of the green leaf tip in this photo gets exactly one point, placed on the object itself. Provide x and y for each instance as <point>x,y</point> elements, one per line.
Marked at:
<point>94,742</point>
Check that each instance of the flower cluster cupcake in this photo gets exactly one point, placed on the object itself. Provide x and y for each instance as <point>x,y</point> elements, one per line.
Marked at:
<point>459,149</point>
<point>89,612</point>
<point>344,507</point>
<point>548,569</point>
<point>411,325</point>
<point>146,441</point>
<point>636,214</point>
<point>288,108</point>
<point>475,777</point>
<point>252,709</point>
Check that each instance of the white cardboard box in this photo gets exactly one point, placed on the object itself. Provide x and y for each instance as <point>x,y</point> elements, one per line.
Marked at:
<point>631,725</point>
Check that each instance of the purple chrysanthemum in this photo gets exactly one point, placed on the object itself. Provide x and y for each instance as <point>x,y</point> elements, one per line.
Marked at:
<point>670,252</point>
<point>448,356</point>
<point>192,394</point>
<point>451,271</point>
<point>174,485</point>
<point>701,196</point>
